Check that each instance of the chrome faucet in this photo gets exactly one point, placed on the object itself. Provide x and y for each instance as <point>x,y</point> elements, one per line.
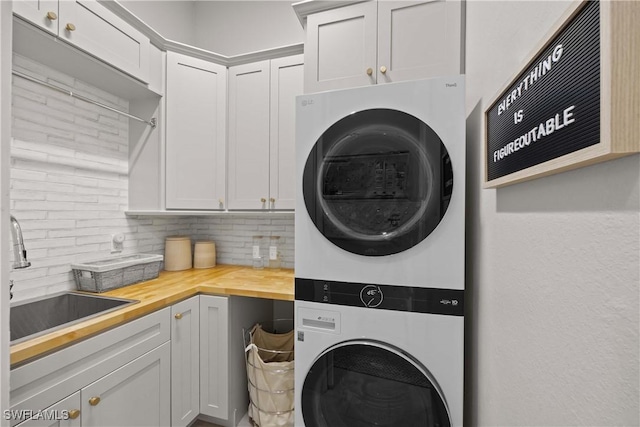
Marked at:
<point>19,252</point>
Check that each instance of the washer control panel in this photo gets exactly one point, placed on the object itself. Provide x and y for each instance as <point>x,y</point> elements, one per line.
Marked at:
<point>382,297</point>
<point>371,296</point>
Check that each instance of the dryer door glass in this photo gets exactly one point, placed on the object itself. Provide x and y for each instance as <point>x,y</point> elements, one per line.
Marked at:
<point>370,384</point>
<point>377,182</point>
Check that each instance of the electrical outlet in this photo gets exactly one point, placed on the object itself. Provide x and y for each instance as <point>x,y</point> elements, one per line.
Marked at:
<point>117,242</point>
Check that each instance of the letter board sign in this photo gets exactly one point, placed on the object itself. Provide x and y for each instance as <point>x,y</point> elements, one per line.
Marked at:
<point>552,108</point>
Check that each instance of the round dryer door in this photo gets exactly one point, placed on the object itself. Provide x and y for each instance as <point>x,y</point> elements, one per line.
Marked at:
<point>363,383</point>
<point>377,182</point>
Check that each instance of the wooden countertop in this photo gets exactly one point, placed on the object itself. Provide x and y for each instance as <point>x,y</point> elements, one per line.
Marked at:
<point>169,288</point>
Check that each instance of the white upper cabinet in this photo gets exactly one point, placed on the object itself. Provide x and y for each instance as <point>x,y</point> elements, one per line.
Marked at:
<point>418,39</point>
<point>340,50</point>
<point>382,42</point>
<point>249,136</point>
<point>195,133</point>
<point>92,28</point>
<point>262,133</point>
<point>43,14</point>
<point>286,84</point>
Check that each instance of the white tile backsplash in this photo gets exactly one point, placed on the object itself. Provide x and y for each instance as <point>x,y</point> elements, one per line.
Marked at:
<point>69,189</point>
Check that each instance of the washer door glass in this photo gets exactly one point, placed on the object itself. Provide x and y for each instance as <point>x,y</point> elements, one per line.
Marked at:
<point>377,182</point>
<point>358,384</point>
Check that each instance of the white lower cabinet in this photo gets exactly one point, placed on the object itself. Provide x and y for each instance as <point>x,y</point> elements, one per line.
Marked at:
<point>223,376</point>
<point>164,369</point>
<point>136,394</point>
<point>65,413</point>
<point>185,361</point>
<point>214,339</point>
<point>126,368</point>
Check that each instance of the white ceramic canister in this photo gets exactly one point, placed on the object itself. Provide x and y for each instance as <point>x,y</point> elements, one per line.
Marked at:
<point>204,254</point>
<point>177,253</point>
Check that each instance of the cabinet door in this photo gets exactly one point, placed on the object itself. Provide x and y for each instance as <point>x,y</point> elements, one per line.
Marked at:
<point>249,136</point>
<point>418,39</point>
<point>286,84</point>
<point>99,32</point>
<point>43,13</point>
<point>185,362</point>
<point>340,50</point>
<point>214,346</point>
<point>195,133</point>
<point>137,394</point>
<point>65,413</point>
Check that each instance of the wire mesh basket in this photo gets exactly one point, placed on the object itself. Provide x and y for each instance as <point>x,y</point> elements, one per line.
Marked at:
<point>115,272</point>
<point>269,355</point>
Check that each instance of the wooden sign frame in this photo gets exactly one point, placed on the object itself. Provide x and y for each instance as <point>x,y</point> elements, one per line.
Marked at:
<point>619,93</point>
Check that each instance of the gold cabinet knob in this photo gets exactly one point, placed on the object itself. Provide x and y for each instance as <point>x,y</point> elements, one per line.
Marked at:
<point>383,69</point>
<point>263,200</point>
<point>369,71</point>
<point>272,200</point>
<point>74,413</point>
<point>70,27</point>
<point>94,401</point>
<point>221,201</point>
<point>51,16</point>
<point>178,316</point>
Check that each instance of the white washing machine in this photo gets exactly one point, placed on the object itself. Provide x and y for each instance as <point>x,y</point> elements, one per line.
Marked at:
<point>378,356</point>
<point>379,255</point>
<point>381,184</point>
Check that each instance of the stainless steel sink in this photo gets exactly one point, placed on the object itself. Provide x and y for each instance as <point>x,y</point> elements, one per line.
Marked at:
<point>37,317</point>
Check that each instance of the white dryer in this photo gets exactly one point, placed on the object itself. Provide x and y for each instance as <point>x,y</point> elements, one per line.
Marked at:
<point>386,356</point>
<point>380,184</point>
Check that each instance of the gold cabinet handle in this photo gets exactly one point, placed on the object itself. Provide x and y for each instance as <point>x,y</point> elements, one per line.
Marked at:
<point>263,200</point>
<point>369,71</point>
<point>221,201</point>
<point>383,69</point>
<point>178,316</point>
<point>272,200</point>
<point>70,27</point>
<point>94,401</point>
<point>51,16</point>
<point>74,413</point>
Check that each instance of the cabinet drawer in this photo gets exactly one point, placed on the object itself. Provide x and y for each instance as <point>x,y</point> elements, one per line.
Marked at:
<point>41,383</point>
<point>62,414</point>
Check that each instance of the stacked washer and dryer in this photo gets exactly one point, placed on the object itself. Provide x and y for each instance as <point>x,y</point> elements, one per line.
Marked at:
<point>379,255</point>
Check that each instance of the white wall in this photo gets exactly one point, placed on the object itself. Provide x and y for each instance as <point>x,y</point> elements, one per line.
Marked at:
<point>225,27</point>
<point>173,19</point>
<point>553,264</point>
<point>237,27</point>
<point>5,135</point>
<point>69,188</point>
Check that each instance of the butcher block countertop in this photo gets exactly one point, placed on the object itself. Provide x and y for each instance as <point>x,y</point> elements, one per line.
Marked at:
<point>169,288</point>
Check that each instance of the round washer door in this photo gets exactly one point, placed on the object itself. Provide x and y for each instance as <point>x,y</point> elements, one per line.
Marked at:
<point>366,383</point>
<point>377,182</point>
